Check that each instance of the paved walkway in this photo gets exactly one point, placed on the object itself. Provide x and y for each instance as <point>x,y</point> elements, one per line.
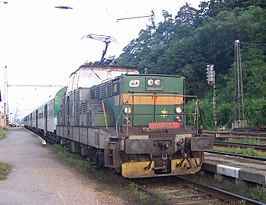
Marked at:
<point>39,178</point>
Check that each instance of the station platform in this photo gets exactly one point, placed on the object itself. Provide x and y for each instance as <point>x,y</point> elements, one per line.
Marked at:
<point>242,169</point>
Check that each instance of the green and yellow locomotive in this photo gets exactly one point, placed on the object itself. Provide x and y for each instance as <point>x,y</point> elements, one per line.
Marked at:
<point>132,123</point>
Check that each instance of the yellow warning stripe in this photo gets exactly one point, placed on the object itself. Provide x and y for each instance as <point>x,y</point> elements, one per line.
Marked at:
<point>147,100</point>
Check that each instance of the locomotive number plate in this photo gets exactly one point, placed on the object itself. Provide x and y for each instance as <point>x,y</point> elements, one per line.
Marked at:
<point>163,125</point>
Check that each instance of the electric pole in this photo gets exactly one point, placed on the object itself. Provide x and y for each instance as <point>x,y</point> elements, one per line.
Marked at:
<point>239,95</point>
<point>5,97</point>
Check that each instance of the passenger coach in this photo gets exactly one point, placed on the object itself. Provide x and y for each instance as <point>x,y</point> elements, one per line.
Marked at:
<point>43,120</point>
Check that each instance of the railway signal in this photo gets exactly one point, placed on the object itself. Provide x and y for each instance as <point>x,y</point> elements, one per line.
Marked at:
<point>210,75</point>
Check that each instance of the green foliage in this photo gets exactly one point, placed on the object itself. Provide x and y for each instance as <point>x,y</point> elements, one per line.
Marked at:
<point>259,194</point>
<point>3,132</point>
<point>207,113</point>
<point>4,170</point>
<point>251,140</point>
<point>134,190</point>
<point>73,159</point>
<point>256,111</point>
<point>225,114</point>
<point>246,151</point>
<point>185,44</point>
<point>163,195</point>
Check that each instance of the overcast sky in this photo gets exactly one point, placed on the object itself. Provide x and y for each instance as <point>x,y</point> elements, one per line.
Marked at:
<point>41,45</point>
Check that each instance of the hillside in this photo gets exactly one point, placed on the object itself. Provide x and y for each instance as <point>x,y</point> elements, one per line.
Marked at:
<point>186,43</point>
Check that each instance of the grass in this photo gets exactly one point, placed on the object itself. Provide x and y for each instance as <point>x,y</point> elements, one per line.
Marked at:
<point>259,194</point>
<point>130,192</point>
<point>74,160</point>
<point>3,132</point>
<point>244,151</point>
<point>133,189</point>
<point>249,190</point>
<point>246,140</point>
<point>4,167</point>
<point>163,195</point>
<point>4,170</point>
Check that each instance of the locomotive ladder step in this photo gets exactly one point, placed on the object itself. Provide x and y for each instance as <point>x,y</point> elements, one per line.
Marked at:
<point>110,166</point>
<point>114,137</point>
<point>111,142</point>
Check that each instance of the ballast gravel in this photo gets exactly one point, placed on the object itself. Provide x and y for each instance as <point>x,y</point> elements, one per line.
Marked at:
<point>38,177</point>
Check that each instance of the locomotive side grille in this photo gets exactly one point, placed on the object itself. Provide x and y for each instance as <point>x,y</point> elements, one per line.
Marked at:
<point>76,107</point>
<point>88,118</point>
<point>97,92</point>
<point>102,91</point>
<point>82,108</point>
<point>109,86</point>
<point>93,92</point>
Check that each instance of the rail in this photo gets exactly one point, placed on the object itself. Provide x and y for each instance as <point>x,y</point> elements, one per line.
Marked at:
<point>261,147</point>
<point>236,155</point>
<point>180,190</point>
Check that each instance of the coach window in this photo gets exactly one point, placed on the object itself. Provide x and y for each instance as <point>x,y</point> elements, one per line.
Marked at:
<point>115,88</point>
<point>41,115</point>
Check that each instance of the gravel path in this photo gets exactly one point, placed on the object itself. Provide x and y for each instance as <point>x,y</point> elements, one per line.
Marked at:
<point>39,178</point>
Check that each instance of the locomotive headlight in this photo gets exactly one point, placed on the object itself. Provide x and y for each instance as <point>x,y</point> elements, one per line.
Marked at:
<point>178,110</point>
<point>150,82</point>
<point>157,82</point>
<point>127,110</point>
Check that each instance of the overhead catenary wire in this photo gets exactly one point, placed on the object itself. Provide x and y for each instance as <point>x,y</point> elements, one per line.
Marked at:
<point>134,17</point>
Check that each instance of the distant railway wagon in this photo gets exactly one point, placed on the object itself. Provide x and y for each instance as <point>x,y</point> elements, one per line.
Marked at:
<point>43,120</point>
<point>132,123</point>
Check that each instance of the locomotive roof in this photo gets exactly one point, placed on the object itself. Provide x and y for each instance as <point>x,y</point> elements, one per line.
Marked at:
<point>85,67</point>
<point>88,75</point>
<point>163,75</point>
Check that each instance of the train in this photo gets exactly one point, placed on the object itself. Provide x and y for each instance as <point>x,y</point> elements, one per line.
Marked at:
<point>134,124</point>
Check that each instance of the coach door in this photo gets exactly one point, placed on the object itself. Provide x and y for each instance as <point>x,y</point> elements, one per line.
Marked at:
<point>45,118</point>
<point>68,117</point>
<point>36,116</point>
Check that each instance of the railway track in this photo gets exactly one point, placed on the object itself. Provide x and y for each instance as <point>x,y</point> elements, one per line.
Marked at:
<point>261,147</point>
<point>236,135</point>
<point>258,133</point>
<point>178,190</point>
<point>237,155</point>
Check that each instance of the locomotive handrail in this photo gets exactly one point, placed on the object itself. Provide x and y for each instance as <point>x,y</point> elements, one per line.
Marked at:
<point>119,116</point>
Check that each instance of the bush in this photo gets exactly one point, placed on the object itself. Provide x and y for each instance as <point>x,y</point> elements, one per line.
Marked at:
<point>256,111</point>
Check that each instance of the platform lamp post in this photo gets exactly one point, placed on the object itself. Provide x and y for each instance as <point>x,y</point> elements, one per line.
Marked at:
<point>210,75</point>
<point>5,97</point>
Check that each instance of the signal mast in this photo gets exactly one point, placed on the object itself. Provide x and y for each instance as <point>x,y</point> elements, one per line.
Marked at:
<point>210,75</point>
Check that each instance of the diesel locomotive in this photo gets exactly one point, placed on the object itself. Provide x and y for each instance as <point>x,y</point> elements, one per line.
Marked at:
<point>132,123</point>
